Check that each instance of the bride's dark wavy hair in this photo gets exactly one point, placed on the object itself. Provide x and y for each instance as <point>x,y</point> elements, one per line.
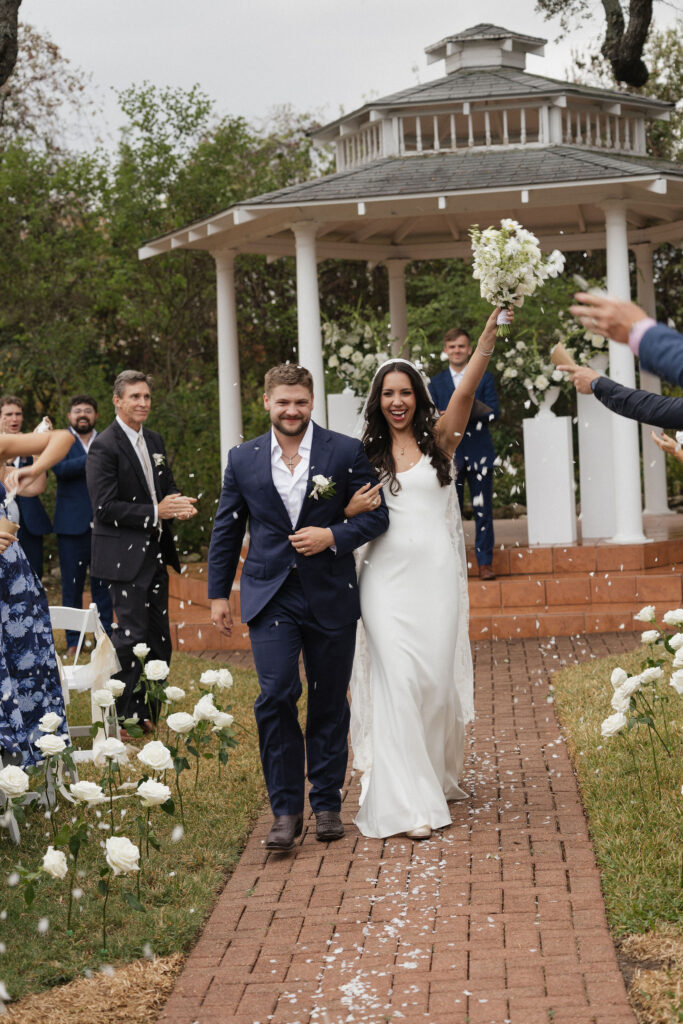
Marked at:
<point>377,436</point>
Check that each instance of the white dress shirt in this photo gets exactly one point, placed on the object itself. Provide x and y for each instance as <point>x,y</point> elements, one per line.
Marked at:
<point>134,436</point>
<point>456,375</point>
<point>291,486</point>
<point>79,437</point>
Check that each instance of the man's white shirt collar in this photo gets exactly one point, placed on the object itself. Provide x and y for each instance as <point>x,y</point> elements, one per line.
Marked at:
<point>131,434</point>
<point>304,444</point>
<point>92,436</point>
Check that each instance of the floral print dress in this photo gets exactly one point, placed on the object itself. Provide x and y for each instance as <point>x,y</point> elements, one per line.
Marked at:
<point>29,677</point>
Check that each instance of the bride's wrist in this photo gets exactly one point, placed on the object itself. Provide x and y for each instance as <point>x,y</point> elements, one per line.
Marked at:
<point>485,351</point>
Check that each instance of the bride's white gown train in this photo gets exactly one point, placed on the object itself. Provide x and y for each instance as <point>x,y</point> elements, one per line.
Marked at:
<point>411,687</point>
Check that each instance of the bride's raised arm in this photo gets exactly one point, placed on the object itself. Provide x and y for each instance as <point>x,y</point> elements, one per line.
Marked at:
<point>450,427</point>
<point>48,447</point>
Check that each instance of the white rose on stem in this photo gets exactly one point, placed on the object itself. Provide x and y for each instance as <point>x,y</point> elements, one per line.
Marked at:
<point>141,651</point>
<point>621,701</point>
<point>112,749</point>
<point>122,855</point>
<point>115,687</point>
<point>153,793</point>
<point>646,614</point>
<point>618,677</point>
<point>632,685</point>
<point>614,724</point>
<point>50,722</point>
<point>678,658</point>
<point>14,781</point>
<point>87,792</point>
<point>205,709</point>
<point>174,693</point>
<point>674,617</point>
<point>54,863</point>
<point>650,675</point>
<point>156,756</point>
<point>103,698</point>
<point>677,681</point>
<point>181,722</point>
<point>156,670</point>
<point>49,744</point>
<point>676,641</point>
<point>224,679</point>
<point>650,636</point>
<point>222,721</point>
<point>208,679</point>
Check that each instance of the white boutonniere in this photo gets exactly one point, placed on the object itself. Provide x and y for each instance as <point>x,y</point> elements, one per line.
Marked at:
<point>323,487</point>
<point>159,459</point>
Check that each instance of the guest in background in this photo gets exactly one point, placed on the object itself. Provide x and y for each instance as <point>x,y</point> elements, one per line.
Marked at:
<point>34,521</point>
<point>134,498</point>
<point>475,454</point>
<point>73,518</point>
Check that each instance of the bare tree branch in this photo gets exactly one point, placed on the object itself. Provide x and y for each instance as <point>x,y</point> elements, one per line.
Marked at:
<point>623,45</point>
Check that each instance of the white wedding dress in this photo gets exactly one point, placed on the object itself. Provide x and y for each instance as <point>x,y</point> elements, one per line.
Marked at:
<point>411,687</point>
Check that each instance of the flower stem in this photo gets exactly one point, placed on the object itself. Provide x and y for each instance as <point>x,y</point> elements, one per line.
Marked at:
<point>147,836</point>
<point>72,879</point>
<point>104,918</point>
<point>654,758</point>
<point>180,799</point>
<point>635,765</point>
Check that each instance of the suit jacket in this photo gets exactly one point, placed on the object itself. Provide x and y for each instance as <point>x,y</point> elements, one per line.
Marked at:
<point>123,515</point>
<point>476,442</point>
<point>33,517</point>
<point>73,511</point>
<point>643,406</point>
<point>327,579</point>
<point>661,352</point>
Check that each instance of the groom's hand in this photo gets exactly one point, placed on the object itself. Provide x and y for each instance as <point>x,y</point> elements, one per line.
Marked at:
<point>221,616</point>
<point>311,540</point>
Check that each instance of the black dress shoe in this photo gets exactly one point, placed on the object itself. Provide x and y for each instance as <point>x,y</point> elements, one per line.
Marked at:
<point>328,826</point>
<point>286,827</point>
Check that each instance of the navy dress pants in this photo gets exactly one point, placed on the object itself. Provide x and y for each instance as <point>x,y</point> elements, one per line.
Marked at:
<point>283,630</point>
<point>481,494</point>
<point>74,559</point>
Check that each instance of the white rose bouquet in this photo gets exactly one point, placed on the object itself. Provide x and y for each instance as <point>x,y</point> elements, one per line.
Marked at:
<point>509,265</point>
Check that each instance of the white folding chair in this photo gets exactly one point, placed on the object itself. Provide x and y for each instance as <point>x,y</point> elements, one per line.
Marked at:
<point>90,676</point>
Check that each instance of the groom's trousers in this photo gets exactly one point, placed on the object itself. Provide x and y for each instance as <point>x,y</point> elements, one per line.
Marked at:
<point>282,631</point>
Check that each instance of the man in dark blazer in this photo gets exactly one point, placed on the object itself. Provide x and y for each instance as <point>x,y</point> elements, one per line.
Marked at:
<point>134,498</point>
<point>475,454</point>
<point>298,592</point>
<point>34,521</point>
<point>73,518</point>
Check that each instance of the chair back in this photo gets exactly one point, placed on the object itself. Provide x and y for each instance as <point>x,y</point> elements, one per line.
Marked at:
<point>83,620</point>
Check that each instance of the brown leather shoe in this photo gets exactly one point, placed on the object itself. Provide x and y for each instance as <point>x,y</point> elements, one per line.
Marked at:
<point>286,827</point>
<point>71,652</point>
<point>486,573</point>
<point>328,826</point>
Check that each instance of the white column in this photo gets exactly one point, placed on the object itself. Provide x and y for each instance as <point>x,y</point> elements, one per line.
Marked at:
<point>229,392</point>
<point>654,459</point>
<point>626,451</point>
<point>308,314</point>
<point>398,318</point>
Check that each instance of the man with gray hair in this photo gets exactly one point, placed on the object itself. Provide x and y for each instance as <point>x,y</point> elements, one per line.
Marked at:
<point>134,498</point>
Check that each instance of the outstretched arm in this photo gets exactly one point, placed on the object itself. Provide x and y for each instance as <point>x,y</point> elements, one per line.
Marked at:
<point>451,425</point>
<point>48,447</point>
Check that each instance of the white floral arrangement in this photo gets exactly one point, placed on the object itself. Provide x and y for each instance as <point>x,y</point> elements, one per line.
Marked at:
<point>526,369</point>
<point>509,265</point>
<point>353,354</point>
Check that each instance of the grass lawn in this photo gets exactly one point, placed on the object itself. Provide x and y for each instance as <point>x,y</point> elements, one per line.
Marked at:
<point>638,849</point>
<point>179,884</point>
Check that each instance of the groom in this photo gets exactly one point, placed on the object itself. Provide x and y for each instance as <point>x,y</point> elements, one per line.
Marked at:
<point>298,593</point>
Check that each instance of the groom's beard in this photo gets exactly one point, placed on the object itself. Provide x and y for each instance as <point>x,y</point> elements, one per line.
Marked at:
<point>291,427</point>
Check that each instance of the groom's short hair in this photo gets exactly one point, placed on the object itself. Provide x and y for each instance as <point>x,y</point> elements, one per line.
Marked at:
<point>455,333</point>
<point>289,374</point>
<point>127,377</point>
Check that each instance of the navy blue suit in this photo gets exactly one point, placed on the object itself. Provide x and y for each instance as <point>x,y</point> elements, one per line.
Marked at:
<point>73,526</point>
<point>644,406</point>
<point>34,524</point>
<point>294,603</point>
<point>661,352</point>
<point>474,458</point>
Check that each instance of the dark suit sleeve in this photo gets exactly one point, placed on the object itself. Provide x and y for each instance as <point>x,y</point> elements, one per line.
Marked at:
<point>102,475</point>
<point>661,352</point>
<point>643,406</point>
<point>432,392</point>
<point>71,467</point>
<point>227,536</point>
<point>489,396</point>
<point>350,534</point>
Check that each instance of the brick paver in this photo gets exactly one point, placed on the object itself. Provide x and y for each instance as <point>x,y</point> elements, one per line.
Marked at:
<point>498,918</point>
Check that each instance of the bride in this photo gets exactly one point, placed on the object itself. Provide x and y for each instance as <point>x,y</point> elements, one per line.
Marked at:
<point>411,688</point>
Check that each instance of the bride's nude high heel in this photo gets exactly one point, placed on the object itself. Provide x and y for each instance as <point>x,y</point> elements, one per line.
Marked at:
<point>423,832</point>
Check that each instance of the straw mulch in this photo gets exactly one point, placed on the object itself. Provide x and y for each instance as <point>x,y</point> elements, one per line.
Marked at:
<point>656,989</point>
<point>133,994</point>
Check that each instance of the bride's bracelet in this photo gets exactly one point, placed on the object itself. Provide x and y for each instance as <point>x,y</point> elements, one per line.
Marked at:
<point>486,351</point>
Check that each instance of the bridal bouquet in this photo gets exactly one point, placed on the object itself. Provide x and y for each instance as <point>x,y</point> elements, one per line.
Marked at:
<point>509,264</point>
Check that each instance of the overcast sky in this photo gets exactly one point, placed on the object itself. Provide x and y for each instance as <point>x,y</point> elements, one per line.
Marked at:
<point>250,55</point>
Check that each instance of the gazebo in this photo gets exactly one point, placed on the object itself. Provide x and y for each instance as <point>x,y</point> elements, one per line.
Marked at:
<point>415,169</point>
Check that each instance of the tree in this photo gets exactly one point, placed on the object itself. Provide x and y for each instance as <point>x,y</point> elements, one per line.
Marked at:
<point>9,10</point>
<point>623,43</point>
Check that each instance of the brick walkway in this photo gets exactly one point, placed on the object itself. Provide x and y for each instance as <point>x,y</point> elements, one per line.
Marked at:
<point>498,918</point>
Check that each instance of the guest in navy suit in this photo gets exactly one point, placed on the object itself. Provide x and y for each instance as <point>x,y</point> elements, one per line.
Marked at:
<point>73,517</point>
<point>475,454</point>
<point>298,593</point>
<point>33,519</point>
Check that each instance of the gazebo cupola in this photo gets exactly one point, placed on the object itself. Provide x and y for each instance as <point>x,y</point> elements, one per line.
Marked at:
<point>488,99</point>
